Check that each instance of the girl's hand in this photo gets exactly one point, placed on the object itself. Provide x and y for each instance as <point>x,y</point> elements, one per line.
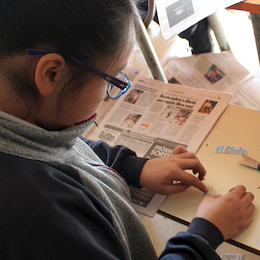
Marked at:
<point>167,175</point>
<point>231,213</point>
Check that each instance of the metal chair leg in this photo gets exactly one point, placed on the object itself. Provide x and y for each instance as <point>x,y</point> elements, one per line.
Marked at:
<point>148,50</point>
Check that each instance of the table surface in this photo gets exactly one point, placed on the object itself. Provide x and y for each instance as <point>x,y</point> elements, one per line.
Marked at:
<point>221,168</point>
<point>252,6</point>
<point>237,126</point>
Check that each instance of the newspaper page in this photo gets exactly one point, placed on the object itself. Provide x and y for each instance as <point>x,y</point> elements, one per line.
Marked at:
<point>247,94</point>
<point>216,71</point>
<point>175,16</point>
<point>153,118</point>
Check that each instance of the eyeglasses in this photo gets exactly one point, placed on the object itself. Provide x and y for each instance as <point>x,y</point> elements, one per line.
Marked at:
<point>122,82</point>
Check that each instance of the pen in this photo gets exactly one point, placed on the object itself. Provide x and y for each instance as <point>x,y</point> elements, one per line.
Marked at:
<point>250,162</point>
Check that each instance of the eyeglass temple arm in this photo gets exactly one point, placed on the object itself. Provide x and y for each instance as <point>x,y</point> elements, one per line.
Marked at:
<point>119,83</point>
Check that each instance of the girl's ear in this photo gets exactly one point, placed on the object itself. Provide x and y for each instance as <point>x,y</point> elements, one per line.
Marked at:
<point>49,73</point>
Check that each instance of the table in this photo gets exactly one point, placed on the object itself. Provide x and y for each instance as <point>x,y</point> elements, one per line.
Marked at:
<point>233,115</point>
<point>252,6</point>
<point>237,126</point>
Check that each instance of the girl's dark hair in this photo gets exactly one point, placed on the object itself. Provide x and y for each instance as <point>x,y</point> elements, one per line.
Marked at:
<point>85,29</point>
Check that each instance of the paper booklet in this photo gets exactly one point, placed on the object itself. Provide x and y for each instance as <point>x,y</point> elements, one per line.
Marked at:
<point>152,118</point>
<point>175,16</point>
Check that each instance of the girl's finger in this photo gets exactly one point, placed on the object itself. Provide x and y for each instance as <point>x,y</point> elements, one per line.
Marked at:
<point>179,150</point>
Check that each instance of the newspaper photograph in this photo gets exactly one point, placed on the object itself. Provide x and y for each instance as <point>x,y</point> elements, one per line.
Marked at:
<point>152,118</point>
<point>175,16</point>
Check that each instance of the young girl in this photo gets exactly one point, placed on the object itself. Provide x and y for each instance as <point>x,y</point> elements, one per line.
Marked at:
<point>61,198</point>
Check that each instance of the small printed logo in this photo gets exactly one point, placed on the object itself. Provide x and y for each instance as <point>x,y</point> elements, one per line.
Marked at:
<point>231,149</point>
<point>180,11</point>
<point>106,136</point>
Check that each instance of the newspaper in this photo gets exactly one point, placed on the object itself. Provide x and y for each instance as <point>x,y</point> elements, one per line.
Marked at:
<point>216,71</point>
<point>247,94</point>
<point>154,117</point>
<point>175,16</point>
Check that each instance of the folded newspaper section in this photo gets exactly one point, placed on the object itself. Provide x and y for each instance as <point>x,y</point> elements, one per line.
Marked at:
<point>154,117</point>
<point>175,16</point>
<point>216,71</point>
